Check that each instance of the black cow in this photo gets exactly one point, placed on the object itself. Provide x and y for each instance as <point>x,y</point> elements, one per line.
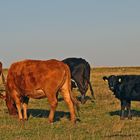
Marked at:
<point>80,74</point>
<point>126,88</point>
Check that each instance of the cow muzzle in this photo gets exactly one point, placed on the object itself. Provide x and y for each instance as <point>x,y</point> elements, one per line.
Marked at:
<point>83,100</point>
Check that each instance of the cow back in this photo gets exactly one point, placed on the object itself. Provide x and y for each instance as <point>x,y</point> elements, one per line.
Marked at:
<point>80,72</point>
<point>35,78</point>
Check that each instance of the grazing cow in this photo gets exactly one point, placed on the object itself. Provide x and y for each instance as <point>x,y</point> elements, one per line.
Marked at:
<point>38,79</point>
<point>80,74</point>
<point>126,88</point>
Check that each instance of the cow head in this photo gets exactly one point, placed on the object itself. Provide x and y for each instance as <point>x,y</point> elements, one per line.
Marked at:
<point>83,87</point>
<point>84,90</point>
<point>113,82</point>
<point>10,105</point>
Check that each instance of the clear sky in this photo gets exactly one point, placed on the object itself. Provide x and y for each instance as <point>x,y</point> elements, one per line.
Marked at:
<point>104,32</point>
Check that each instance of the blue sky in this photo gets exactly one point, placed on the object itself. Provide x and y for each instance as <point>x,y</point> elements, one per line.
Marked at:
<point>104,32</point>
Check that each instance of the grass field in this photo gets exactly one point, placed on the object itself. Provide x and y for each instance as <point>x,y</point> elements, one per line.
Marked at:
<point>99,120</point>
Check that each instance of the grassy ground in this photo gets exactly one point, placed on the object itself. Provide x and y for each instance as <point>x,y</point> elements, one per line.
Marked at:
<point>99,120</point>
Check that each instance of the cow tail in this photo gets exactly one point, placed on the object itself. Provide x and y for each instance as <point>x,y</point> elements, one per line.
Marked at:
<point>76,103</point>
<point>74,100</point>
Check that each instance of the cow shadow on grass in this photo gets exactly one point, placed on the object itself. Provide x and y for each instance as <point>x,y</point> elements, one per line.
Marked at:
<point>135,113</point>
<point>41,113</point>
<point>87,98</point>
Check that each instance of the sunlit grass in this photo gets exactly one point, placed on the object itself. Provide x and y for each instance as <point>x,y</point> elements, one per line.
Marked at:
<point>99,120</point>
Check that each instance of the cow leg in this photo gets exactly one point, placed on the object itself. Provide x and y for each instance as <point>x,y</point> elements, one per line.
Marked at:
<point>123,105</point>
<point>128,106</point>
<point>53,104</point>
<point>91,90</point>
<point>67,99</point>
<point>81,87</point>
<point>18,103</point>
<point>24,111</point>
<point>25,105</point>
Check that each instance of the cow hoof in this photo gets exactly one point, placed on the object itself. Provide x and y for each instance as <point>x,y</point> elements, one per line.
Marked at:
<point>78,120</point>
<point>94,103</point>
<point>50,122</point>
<point>130,117</point>
<point>122,118</point>
<point>73,121</point>
<point>25,119</point>
<point>20,119</point>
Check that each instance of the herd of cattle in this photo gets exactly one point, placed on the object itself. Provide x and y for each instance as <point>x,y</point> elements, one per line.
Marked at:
<point>45,79</point>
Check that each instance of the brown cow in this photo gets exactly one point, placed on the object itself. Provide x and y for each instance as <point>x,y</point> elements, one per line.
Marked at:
<point>38,79</point>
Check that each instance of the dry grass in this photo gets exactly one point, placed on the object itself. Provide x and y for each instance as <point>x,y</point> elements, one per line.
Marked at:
<point>99,120</point>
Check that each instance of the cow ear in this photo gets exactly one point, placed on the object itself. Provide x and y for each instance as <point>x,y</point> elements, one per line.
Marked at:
<point>120,80</point>
<point>105,78</point>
